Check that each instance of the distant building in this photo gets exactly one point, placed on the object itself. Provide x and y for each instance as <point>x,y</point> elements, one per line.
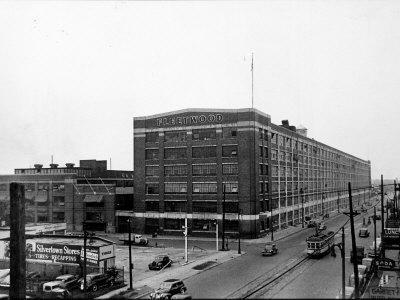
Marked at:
<point>72,195</point>
<point>187,162</point>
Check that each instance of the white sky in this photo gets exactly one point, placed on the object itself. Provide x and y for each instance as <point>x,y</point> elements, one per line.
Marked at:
<point>74,74</point>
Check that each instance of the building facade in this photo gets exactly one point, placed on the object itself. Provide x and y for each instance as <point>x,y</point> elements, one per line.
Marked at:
<point>72,195</point>
<point>207,164</point>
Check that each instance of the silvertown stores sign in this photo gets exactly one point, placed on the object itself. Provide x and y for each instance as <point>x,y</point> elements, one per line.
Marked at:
<point>190,120</point>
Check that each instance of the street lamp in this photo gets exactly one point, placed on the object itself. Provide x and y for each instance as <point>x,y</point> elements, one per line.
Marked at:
<point>130,252</point>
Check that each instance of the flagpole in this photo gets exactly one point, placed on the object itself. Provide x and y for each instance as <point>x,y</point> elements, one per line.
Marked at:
<point>252,80</point>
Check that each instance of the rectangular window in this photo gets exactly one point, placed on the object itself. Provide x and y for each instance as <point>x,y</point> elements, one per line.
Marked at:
<point>266,152</point>
<point>59,200</point>
<point>204,134</point>
<point>265,135</point>
<point>151,137</point>
<point>152,206</point>
<point>43,187</point>
<point>280,140</point>
<point>288,157</point>
<point>175,153</point>
<point>274,170</point>
<point>204,152</point>
<point>174,224</point>
<point>175,170</point>
<point>204,187</point>
<point>175,136</point>
<point>204,206</point>
<point>204,169</point>
<point>273,138</point>
<point>175,206</point>
<point>152,188</point>
<point>231,207</point>
<point>230,168</point>
<point>261,151</point>
<point>281,156</point>
<point>229,151</point>
<point>175,188</point>
<point>151,154</point>
<point>230,187</point>
<point>151,170</point>
<point>274,154</point>
<point>229,132</point>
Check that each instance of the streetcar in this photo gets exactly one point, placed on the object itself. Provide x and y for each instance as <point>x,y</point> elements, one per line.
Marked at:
<point>320,244</point>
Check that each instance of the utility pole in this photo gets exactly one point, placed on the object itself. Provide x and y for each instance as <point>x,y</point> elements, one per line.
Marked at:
<point>394,199</point>
<point>343,267</point>
<point>130,252</point>
<point>216,234</point>
<point>239,250</point>
<point>354,247</point>
<point>374,232</point>
<point>223,221</point>
<point>84,255</point>
<point>382,211</point>
<point>17,241</point>
<point>342,254</point>
<point>185,233</point>
<point>302,207</point>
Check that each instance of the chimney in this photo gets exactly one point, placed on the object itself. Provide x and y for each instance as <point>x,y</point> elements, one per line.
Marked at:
<point>53,166</point>
<point>38,166</point>
<point>285,123</point>
<point>292,128</point>
<point>69,165</point>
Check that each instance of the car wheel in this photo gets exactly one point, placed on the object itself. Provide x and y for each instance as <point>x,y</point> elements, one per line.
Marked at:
<point>94,288</point>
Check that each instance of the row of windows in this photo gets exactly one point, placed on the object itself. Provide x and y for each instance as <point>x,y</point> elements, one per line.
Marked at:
<point>197,188</point>
<point>231,132</point>
<point>197,135</point>
<point>197,170</point>
<point>197,152</point>
<point>198,206</point>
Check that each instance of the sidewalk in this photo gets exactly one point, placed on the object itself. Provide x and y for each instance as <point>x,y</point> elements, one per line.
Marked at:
<point>182,272</point>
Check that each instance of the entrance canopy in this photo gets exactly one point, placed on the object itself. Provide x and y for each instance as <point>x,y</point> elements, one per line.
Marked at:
<point>93,198</point>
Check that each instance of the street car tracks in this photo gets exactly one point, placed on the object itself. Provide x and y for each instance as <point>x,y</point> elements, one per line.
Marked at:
<point>264,282</point>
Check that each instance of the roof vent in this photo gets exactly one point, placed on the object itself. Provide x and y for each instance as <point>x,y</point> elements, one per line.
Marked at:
<point>69,165</point>
<point>38,166</point>
<point>53,166</point>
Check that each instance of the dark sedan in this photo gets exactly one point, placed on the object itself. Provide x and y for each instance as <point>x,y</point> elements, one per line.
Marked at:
<point>160,262</point>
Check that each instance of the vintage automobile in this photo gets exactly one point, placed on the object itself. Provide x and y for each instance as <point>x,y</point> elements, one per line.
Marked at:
<point>160,262</point>
<point>270,249</point>
<point>168,288</point>
<point>364,232</point>
<point>94,281</point>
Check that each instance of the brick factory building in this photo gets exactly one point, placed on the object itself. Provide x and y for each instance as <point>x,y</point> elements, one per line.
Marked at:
<point>72,195</point>
<point>187,162</point>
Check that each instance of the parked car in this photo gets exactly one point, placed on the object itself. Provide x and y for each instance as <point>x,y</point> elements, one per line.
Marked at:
<point>160,262</point>
<point>168,288</point>
<point>136,239</point>
<point>364,232</point>
<point>66,281</point>
<point>270,249</point>
<point>377,217</point>
<point>94,281</point>
<point>322,226</point>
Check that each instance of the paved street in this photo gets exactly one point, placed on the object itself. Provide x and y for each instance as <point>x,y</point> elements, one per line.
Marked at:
<point>321,278</point>
<point>235,274</point>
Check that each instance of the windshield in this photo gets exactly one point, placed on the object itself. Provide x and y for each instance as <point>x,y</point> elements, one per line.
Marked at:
<point>159,258</point>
